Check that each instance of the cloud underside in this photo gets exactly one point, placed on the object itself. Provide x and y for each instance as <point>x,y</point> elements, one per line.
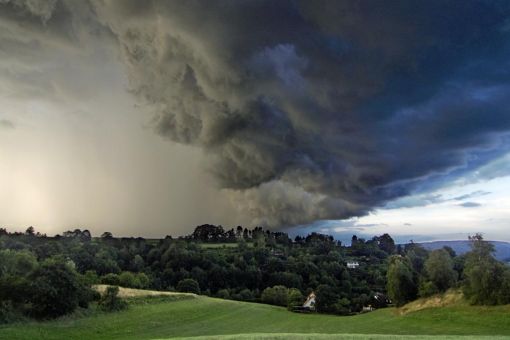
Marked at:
<point>308,110</point>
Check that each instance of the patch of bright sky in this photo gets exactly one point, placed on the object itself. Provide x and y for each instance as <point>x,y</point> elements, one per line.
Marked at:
<point>444,219</point>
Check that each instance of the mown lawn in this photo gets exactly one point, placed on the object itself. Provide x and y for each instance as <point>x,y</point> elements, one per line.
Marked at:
<point>205,316</point>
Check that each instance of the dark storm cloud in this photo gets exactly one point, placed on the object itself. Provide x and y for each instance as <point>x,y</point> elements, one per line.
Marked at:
<point>319,110</point>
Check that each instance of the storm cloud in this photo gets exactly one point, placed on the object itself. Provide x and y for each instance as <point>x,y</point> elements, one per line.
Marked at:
<point>310,110</point>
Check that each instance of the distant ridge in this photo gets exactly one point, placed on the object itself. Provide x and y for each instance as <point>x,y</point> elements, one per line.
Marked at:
<point>502,248</point>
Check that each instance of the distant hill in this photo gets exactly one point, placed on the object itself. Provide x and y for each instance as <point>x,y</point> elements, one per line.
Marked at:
<point>461,247</point>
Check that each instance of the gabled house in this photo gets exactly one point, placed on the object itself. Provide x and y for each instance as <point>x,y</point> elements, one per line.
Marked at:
<point>310,302</point>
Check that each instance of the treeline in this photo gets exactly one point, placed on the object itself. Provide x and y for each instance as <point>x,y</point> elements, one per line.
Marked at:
<point>262,266</point>
<point>258,261</point>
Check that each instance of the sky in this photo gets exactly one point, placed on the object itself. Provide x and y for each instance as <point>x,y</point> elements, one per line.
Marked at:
<point>147,118</point>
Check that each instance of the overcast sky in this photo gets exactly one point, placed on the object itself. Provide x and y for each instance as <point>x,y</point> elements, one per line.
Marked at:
<point>147,118</point>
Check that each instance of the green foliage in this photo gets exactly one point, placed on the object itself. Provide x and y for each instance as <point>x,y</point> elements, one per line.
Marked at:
<point>56,289</point>
<point>9,313</point>
<point>277,295</point>
<point>111,279</point>
<point>223,294</point>
<point>244,295</point>
<point>400,285</point>
<point>486,281</point>
<point>439,268</point>
<point>90,277</point>
<point>326,299</point>
<point>294,298</point>
<point>110,300</point>
<point>188,286</point>
<point>16,263</point>
<point>427,288</point>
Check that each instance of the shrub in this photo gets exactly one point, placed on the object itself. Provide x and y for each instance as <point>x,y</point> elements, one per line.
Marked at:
<point>111,279</point>
<point>294,298</point>
<point>223,294</point>
<point>110,301</point>
<point>246,295</point>
<point>56,290</point>
<point>8,313</point>
<point>427,288</point>
<point>128,279</point>
<point>277,295</point>
<point>188,286</point>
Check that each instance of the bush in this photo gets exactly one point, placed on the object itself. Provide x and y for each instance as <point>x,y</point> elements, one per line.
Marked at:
<point>56,290</point>
<point>294,298</point>
<point>110,301</point>
<point>111,279</point>
<point>427,288</point>
<point>277,295</point>
<point>8,313</point>
<point>223,294</point>
<point>246,295</point>
<point>128,279</point>
<point>188,286</point>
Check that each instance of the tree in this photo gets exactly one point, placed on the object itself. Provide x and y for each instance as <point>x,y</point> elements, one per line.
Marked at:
<point>111,279</point>
<point>138,263</point>
<point>486,280</point>
<point>56,289</point>
<point>439,269</point>
<point>110,300</point>
<point>188,286</point>
<point>107,235</point>
<point>386,243</point>
<point>400,284</point>
<point>326,299</point>
<point>294,298</point>
<point>30,231</point>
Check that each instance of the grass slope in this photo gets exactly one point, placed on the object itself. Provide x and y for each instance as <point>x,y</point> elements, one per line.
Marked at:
<point>204,316</point>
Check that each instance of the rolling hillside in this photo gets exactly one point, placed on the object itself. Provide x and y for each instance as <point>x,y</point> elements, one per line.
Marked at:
<point>461,247</point>
<point>204,316</point>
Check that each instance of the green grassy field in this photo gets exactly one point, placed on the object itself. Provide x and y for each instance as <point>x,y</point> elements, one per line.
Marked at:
<point>216,319</point>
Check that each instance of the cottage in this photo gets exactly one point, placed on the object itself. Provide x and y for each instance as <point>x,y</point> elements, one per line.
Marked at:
<point>310,302</point>
<point>352,265</point>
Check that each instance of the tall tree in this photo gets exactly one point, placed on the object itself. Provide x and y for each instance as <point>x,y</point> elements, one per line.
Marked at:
<point>439,269</point>
<point>486,280</point>
<point>400,285</point>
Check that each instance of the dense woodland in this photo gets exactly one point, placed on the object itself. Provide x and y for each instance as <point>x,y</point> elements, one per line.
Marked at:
<point>46,277</point>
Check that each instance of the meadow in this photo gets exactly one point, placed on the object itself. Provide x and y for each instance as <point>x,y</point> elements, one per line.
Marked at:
<point>211,318</point>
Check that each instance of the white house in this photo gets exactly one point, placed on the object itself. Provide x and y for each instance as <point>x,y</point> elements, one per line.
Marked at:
<point>310,302</point>
<point>352,265</point>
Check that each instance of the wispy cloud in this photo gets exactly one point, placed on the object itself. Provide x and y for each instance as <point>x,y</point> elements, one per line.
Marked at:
<point>470,205</point>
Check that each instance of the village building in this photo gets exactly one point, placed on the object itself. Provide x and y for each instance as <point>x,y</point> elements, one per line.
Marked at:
<point>310,302</point>
<point>353,265</point>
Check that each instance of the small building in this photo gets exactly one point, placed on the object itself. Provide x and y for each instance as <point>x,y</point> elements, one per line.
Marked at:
<point>310,301</point>
<point>352,265</point>
<point>308,306</point>
<point>367,309</point>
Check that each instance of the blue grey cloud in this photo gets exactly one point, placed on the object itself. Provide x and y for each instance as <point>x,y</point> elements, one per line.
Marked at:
<point>470,205</point>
